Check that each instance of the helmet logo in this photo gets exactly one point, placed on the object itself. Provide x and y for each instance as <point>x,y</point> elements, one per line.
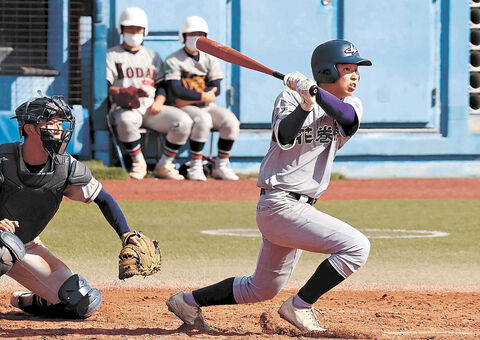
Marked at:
<point>351,50</point>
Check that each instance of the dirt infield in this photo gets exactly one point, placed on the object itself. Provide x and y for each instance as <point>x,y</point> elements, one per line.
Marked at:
<point>347,312</point>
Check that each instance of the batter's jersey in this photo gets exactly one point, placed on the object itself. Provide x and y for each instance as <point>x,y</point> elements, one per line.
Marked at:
<point>305,166</point>
<point>142,69</point>
<point>180,65</point>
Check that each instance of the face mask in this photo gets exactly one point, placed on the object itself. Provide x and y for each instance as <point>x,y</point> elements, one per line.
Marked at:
<point>190,43</point>
<point>133,39</point>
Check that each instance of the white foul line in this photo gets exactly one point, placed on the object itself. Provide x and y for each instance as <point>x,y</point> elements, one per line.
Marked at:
<point>369,232</point>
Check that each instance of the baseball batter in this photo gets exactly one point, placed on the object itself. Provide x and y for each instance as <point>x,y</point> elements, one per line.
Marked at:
<point>193,79</point>
<point>137,91</point>
<point>307,133</point>
<point>34,176</point>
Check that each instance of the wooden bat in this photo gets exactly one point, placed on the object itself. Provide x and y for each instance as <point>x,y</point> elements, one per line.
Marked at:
<point>234,57</point>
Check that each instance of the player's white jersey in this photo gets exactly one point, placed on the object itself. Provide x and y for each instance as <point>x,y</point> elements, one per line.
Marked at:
<point>180,65</point>
<point>304,167</point>
<point>142,69</point>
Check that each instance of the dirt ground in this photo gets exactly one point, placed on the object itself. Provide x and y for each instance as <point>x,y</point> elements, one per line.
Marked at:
<point>347,312</point>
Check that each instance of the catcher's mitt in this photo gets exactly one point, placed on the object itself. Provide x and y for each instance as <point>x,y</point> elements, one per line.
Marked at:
<point>145,259</point>
<point>195,83</point>
<point>129,97</point>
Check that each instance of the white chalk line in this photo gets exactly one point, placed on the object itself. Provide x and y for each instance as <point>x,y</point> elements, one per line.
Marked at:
<point>426,332</point>
<point>372,233</point>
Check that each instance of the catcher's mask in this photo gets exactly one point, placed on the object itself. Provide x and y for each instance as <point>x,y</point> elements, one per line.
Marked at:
<point>55,137</point>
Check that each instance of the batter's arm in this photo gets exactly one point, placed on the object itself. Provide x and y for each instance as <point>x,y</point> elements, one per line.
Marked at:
<point>342,112</point>
<point>290,125</point>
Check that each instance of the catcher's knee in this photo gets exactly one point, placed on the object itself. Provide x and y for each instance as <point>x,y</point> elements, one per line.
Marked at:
<point>11,250</point>
<point>79,298</point>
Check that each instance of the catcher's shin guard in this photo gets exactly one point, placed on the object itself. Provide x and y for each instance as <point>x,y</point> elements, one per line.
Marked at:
<point>79,298</point>
<point>11,250</point>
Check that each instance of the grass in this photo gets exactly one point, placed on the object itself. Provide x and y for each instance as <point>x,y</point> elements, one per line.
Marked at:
<point>81,237</point>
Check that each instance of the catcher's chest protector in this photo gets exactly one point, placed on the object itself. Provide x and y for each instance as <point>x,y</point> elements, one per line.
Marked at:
<point>30,199</point>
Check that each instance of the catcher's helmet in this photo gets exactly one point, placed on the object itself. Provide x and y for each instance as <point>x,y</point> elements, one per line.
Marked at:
<point>43,109</point>
<point>192,24</point>
<point>327,55</point>
<point>133,16</point>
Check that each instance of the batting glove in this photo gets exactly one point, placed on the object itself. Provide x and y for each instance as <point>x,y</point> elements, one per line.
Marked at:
<point>292,79</point>
<point>303,88</point>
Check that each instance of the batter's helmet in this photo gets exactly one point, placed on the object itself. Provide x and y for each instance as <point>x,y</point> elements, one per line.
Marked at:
<point>133,16</point>
<point>192,24</point>
<point>43,109</point>
<point>327,55</point>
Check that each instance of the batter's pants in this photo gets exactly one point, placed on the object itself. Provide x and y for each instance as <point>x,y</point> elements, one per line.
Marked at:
<point>41,272</point>
<point>289,226</point>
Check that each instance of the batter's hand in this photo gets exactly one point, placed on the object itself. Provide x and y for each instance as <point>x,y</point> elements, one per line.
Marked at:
<point>209,96</point>
<point>157,105</point>
<point>292,79</point>
<point>7,225</point>
<point>303,88</point>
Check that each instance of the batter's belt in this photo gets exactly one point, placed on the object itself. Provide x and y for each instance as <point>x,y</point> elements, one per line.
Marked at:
<point>294,195</point>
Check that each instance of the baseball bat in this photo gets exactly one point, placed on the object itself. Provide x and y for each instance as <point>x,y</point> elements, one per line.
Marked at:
<point>234,57</point>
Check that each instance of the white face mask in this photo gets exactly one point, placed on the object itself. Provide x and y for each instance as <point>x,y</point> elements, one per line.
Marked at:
<point>133,40</point>
<point>191,43</point>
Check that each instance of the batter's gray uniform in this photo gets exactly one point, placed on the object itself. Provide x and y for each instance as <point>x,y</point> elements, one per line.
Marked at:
<point>291,177</point>
<point>143,69</point>
<point>180,64</point>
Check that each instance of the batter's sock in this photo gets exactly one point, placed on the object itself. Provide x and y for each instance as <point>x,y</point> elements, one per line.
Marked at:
<point>170,151</point>
<point>220,293</point>
<point>196,149</point>
<point>325,278</point>
<point>224,148</point>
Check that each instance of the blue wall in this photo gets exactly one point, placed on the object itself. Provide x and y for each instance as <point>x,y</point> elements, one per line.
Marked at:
<point>416,119</point>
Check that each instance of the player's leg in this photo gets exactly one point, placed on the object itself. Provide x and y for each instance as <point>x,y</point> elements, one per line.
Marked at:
<point>202,124</point>
<point>176,124</point>
<point>54,289</point>
<point>305,227</point>
<point>275,264</point>
<point>127,124</point>
<point>229,127</point>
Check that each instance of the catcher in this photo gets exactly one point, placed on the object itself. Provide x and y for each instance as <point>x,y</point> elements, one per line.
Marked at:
<point>34,177</point>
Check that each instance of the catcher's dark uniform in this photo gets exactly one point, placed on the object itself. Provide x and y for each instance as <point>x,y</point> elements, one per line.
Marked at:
<point>32,199</point>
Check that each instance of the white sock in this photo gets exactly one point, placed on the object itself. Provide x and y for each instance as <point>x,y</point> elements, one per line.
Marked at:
<point>164,160</point>
<point>298,302</point>
<point>189,299</point>
<point>221,162</point>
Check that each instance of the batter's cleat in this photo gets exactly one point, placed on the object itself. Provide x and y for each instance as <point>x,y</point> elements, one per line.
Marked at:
<point>139,169</point>
<point>190,315</point>
<point>195,171</point>
<point>223,171</point>
<point>302,318</point>
<point>167,171</point>
<point>29,302</point>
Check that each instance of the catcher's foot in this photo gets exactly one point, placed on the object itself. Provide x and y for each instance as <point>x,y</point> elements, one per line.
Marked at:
<point>190,315</point>
<point>29,302</point>
<point>302,318</point>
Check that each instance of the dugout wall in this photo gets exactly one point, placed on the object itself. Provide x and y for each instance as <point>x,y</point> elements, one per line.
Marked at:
<point>417,119</point>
